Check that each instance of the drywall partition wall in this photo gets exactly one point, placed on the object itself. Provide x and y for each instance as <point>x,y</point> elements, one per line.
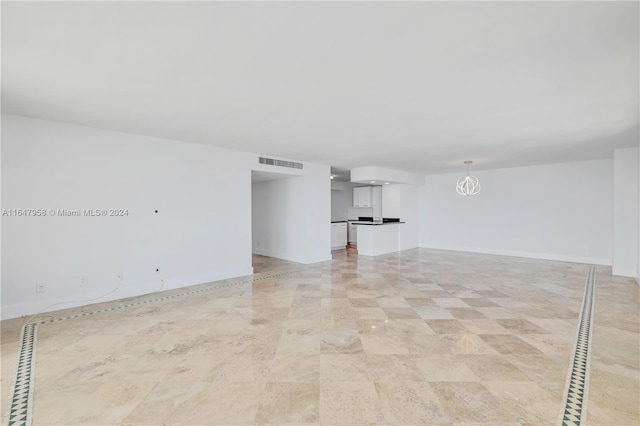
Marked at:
<point>291,217</point>
<point>201,231</point>
<point>337,186</point>
<point>342,204</point>
<point>554,211</point>
<point>402,201</point>
<point>625,212</point>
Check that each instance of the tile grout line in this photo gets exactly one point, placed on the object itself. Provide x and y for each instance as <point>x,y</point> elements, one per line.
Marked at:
<point>20,412</point>
<point>574,402</point>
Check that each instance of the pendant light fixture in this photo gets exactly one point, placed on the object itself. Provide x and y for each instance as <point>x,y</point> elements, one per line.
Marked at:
<point>468,185</point>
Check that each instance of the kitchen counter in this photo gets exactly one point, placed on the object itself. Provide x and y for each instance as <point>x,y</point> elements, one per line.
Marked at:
<point>357,222</point>
<point>338,221</point>
<point>377,240</point>
<point>368,220</point>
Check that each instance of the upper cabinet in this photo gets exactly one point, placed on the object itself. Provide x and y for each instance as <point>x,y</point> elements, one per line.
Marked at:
<point>362,196</point>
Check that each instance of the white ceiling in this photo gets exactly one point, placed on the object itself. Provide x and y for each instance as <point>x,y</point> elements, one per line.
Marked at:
<point>418,86</point>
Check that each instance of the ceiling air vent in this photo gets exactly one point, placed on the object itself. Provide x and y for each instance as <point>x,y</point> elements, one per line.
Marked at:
<point>281,163</point>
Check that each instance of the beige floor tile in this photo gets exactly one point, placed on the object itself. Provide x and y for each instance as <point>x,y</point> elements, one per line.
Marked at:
<point>410,403</point>
<point>528,401</point>
<point>295,368</point>
<point>493,368</point>
<point>613,398</point>
<point>433,312</point>
<point>344,368</point>
<point>449,369</point>
<point>289,403</point>
<point>400,313</point>
<point>471,402</point>
<point>521,326</point>
<point>453,326</point>
<point>382,344</point>
<point>549,343</point>
<point>484,326</point>
<point>341,342</point>
<point>393,367</point>
<point>349,403</point>
<point>450,302</point>
<point>164,398</point>
<point>466,313</point>
<point>233,403</point>
<point>421,337</point>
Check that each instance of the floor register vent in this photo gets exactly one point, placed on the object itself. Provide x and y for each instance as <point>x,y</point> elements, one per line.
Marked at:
<point>281,163</point>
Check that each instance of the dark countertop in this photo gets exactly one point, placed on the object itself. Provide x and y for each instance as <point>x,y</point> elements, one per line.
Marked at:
<point>368,220</point>
<point>338,221</point>
<point>374,224</point>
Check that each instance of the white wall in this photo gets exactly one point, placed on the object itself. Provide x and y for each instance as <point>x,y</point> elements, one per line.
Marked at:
<point>625,212</point>
<point>402,201</point>
<point>342,204</point>
<point>555,211</point>
<point>201,233</point>
<point>292,217</point>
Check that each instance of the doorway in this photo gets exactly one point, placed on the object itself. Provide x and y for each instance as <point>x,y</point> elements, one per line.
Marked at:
<point>272,212</point>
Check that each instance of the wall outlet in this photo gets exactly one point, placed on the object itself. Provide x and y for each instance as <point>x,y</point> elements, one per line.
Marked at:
<point>119,276</point>
<point>41,287</point>
<point>84,281</point>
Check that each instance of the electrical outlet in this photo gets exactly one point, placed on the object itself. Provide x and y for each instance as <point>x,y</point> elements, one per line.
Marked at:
<point>41,287</point>
<point>119,276</point>
<point>84,281</point>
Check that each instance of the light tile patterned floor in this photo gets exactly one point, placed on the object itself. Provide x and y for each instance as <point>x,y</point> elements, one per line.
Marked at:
<point>421,337</point>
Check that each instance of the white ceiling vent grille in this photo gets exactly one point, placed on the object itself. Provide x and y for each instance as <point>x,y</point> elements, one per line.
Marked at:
<point>281,163</point>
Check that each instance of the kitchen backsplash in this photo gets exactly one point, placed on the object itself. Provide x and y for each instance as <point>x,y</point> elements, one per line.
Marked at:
<point>351,214</point>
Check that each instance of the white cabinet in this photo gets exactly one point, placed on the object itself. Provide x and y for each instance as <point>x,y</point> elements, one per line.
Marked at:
<point>338,235</point>
<point>362,196</point>
<point>353,234</point>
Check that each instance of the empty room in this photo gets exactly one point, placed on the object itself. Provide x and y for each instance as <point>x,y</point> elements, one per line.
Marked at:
<point>320,213</point>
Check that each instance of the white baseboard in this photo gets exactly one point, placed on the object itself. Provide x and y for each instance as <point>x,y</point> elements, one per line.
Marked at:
<point>624,272</point>
<point>51,305</point>
<point>304,261</point>
<point>261,252</point>
<point>529,255</point>
<point>379,252</point>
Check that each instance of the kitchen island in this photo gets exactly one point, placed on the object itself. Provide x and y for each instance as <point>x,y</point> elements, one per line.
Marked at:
<point>375,239</point>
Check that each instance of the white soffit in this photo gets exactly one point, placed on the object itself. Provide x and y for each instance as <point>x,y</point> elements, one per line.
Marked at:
<point>382,175</point>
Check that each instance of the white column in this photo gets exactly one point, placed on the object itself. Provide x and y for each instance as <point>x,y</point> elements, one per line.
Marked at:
<point>625,212</point>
